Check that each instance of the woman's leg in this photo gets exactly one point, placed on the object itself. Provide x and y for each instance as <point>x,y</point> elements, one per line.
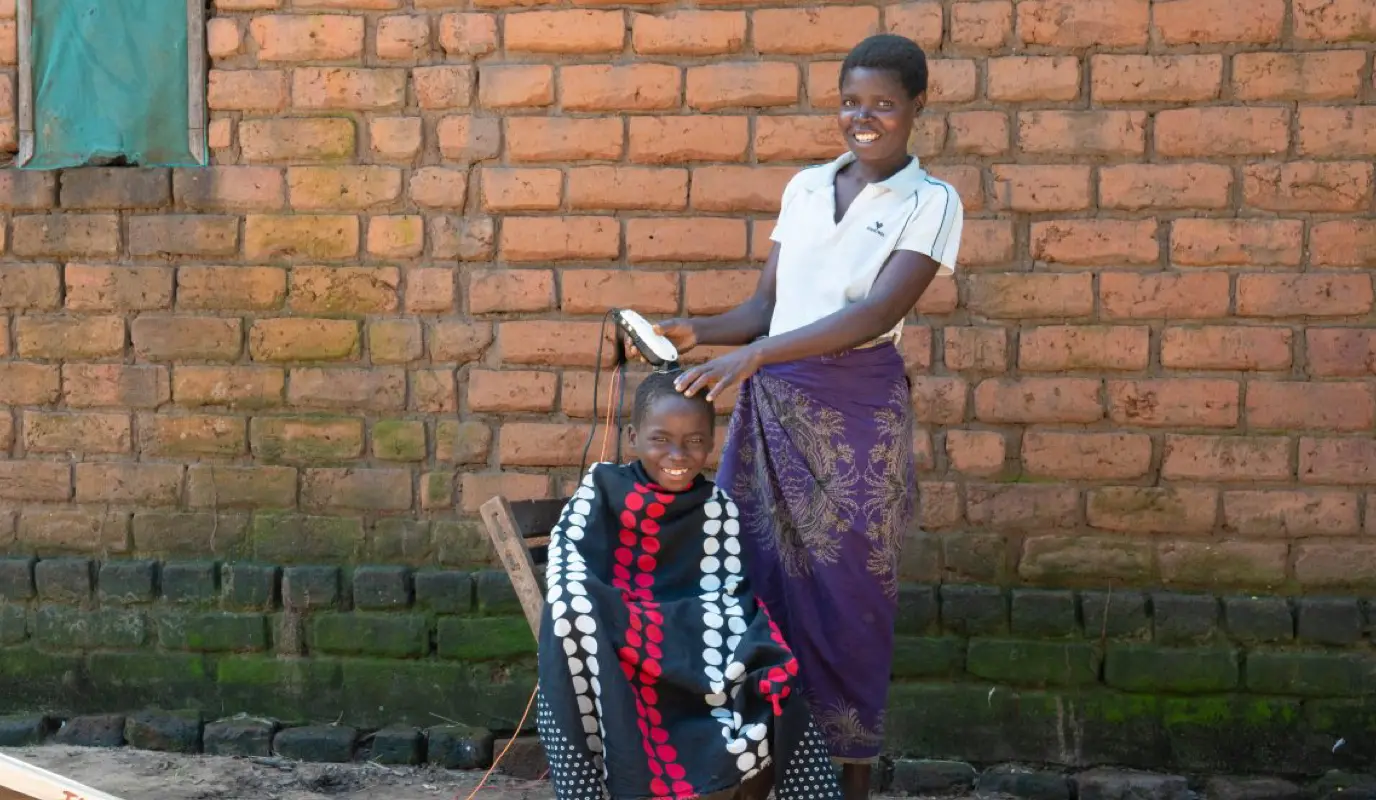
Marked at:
<point>855,781</point>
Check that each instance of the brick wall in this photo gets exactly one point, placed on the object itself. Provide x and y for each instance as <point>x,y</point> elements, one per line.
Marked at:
<point>379,306</point>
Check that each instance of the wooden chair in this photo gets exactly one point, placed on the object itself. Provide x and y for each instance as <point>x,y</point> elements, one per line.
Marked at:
<point>520,535</point>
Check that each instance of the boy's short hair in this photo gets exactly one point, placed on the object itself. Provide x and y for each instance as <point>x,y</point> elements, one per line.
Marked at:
<point>658,385</point>
<point>892,52</point>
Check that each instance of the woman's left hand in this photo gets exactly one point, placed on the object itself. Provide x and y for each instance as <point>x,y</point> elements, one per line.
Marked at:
<point>721,373</point>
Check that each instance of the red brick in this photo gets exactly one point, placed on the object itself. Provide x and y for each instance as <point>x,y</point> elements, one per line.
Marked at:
<point>685,239</point>
<point>976,349</point>
<point>1086,456</point>
<point>439,187</point>
<point>1311,295</point>
<point>306,236</point>
<point>353,488</point>
<point>395,139</point>
<point>541,444</point>
<point>576,394</point>
<point>716,291</point>
<point>1191,22</point>
<point>465,238</point>
<point>459,342</point>
<point>22,190</point>
<point>919,21</point>
<point>462,442</point>
<point>195,435</point>
<point>1283,513</point>
<point>1152,509</point>
<point>1041,188</point>
<point>1236,243</point>
<point>220,188</point>
<point>1155,79</point>
<point>1340,352</point>
<point>232,387</point>
<point>1339,243</point>
<point>468,139</point>
<point>975,452</point>
<point>30,287</point>
<point>1022,506</point>
<point>942,296</point>
<point>370,389</point>
<point>952,81</point>
<point>1331,21</point>
<point>361,5</point>
<point>1058,348</point>
<point>294,140</point>
<point>813,31</point>
<point>307,37</point>
<point>477,488</point>
<point>508,291</point>
<point>986,25</point>
<point>114,386</point>
<point>1222,563</point>
<point>35,480</point>
<point>1308,186</point>
<point>76,530</point>
<point>595,291</point>
<point>352,188</point>
<point>219,486</point>
<point>516,86</point>
<point>1136,187</point>
<point>318,88</point>
<point>1226,347</point>
<point>306,439</point>
<point>631,188</point>
<point>1174,403</point>
<point>468,35</point>
<point>141,484</point>
<point>303,339</point>
<point>171,235</point>
<point>1333,75</point>
<point>740,188</point>
<point>978,133</point>
<point>395,341</point>
<point>62,338</point>
<point>248,90</point>
<point>1287,405</point>
<point>522,189</point>
<point>1226,458</point>
<point>824,84</point>
<point>433,391</point>
<point>344,290</point>
<point>1222,132</point>
<point>442,87</point>
<point>631,87</point>
<point>430,290</point>
<point>564,31</point>
<point>1125,295</point>
<point>223,39</point>
<point>230,288</point>
<point>28,384</point>
<point>737,85</point>
<point>560,238</point>
<point>688,33</point>
<point>810,138</point>
<point>1094,242</point>
<point>1035,295</point>
<point>1027,79</point>
<point>85,433</point>
<point>560,139</point>
<point>402,37</point>
<point>111,288</point>
<point>1083,23</point>
<point>661,140</point>
<point>1326,131</point>
<point>401,236</point>
<point>549,343</point>
<point>1338,461</point>
<point>65,235</point>
<point>514,391</point>
<point>1034,400</point>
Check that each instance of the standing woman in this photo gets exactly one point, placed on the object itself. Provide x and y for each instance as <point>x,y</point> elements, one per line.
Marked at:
<point>819,454</point>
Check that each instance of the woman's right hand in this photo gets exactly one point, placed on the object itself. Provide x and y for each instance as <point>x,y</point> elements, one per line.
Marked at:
<point>679,332</point>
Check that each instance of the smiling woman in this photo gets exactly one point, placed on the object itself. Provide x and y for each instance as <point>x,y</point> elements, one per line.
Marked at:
<point>819,455</point>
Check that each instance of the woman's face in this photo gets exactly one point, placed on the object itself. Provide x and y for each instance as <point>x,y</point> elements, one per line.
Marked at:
<point>876,115</point>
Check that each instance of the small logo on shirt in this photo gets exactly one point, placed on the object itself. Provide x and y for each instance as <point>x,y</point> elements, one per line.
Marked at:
<point>876,228</point>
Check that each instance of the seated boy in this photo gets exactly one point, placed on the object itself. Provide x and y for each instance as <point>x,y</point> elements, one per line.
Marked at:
<point>661,676</point>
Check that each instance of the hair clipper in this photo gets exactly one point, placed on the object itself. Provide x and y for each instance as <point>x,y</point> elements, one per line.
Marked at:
<point>656,349</point>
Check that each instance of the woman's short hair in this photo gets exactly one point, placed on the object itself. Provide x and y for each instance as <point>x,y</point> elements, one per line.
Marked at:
<point>888,51</point>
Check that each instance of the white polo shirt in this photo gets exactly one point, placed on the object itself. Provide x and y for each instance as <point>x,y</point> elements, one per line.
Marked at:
<point>825,266</point>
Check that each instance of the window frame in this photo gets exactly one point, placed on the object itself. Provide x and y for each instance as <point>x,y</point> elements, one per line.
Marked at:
<point>195,69</point>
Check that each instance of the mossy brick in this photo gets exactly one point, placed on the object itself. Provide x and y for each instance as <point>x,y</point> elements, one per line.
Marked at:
<point>1259,619</point>
<point>1119,784</point>
<point>1329,620</point>
<point>214,632</point>
<point>462,543</point>
<point>1310,673</point>
<point>1239,734</point>
<point>377,692</point>
<point>68,628</point>
<point>32,678</point>
<point>1033,662</point>
<point>14,625</point>
<point>400,541</point>
<point>25,730</point>
<point>243,738</point>
<point>524,757</point>
<point>148,679</point>
<point>1251,788</point>
<point>1115,727</point>
<point>95,730</point>
<point>1184,618</point>
<point>484,638</point>
<point>1115,615</point>
<point>918,610</point>
<point>298,539</point>
<point>459,747</point>
<point>248,586</point>
<point>281,688</point>
<point>1044,614</point>
<point>495,593</point>
<point>164,731</point>
<point>932,778</point>
<point>311,587</point>
<point>1188,670</point>
<point>193,582</point>
<point>444,591</point>
<point>63,580</point>
<point>399,745</point>
<point>1024,783</point>
<point>928,657</point>
<point>973,721</point>
<point>382,588</point>
<point>371,634</point>
<point>127,582</point>
<point>968,610</point>
<point>16,578</point>
<point>331,744</point>
<point>399,440</point>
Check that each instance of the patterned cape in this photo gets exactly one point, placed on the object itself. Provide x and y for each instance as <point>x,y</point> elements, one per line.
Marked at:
<point>661,676</point>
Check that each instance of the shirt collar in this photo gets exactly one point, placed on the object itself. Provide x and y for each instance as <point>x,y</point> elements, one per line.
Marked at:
<point>904,182</point>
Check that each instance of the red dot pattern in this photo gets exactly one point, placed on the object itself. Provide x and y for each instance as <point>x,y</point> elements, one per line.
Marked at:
<point>633,575</point>
<point>775,686</point>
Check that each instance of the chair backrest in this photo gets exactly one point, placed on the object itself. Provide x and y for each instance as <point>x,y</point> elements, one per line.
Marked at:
<point>534,520</point>
<point>520,534</point>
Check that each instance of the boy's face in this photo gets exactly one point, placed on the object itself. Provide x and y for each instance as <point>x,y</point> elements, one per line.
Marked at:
<point>877,114</point>
<point>673,441</point>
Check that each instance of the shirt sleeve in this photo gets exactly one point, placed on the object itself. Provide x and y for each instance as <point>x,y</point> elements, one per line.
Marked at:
<point>790,193</point>
<point>935,227</point>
